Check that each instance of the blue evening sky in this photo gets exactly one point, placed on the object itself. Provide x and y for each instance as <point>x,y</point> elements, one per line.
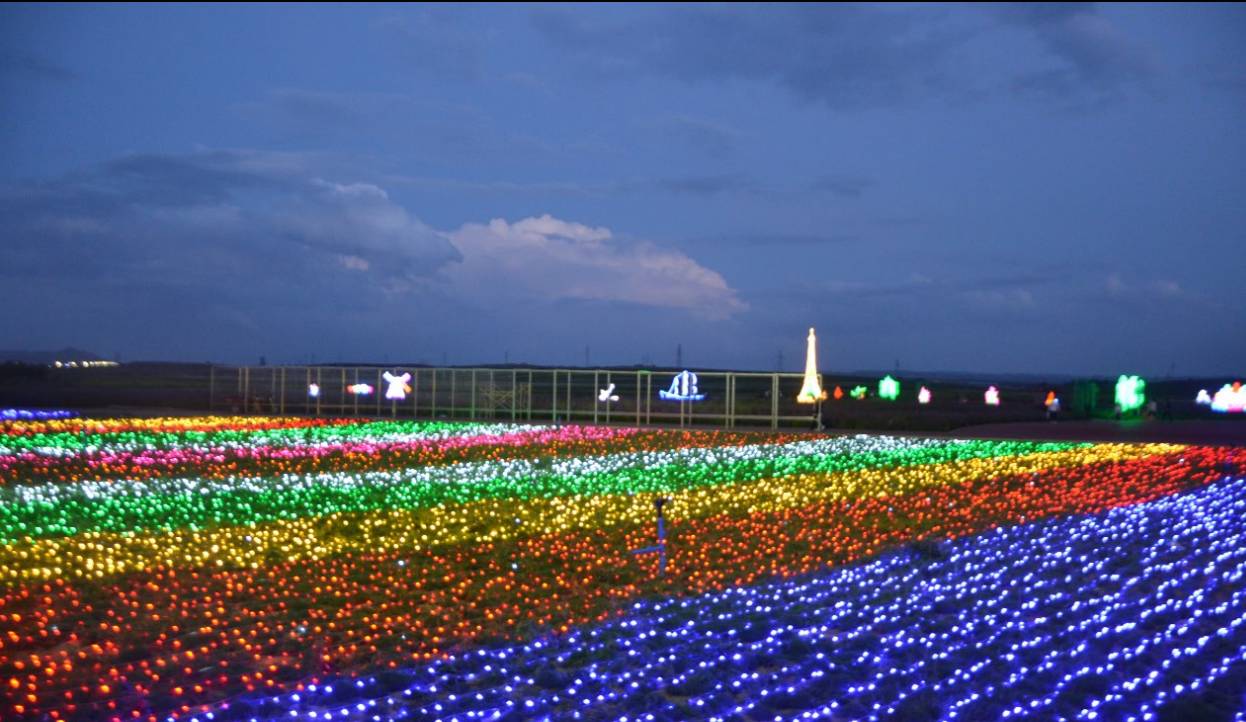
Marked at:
<point>1013,188</point>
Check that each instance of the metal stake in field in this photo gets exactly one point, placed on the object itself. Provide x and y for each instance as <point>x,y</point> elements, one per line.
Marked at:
<point>660,547</point>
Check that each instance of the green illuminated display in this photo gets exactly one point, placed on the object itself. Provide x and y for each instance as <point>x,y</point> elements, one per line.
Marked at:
<point>1130,392</point>
<point>889,388</point>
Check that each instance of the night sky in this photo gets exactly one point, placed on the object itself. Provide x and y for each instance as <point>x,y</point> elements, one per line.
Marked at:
<point>1055,188</point>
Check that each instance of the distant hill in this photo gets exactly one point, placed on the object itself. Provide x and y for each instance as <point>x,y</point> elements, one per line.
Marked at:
<point>47,357</point>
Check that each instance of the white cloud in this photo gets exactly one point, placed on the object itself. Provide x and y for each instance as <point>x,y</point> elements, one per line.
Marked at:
<point>548,259</point>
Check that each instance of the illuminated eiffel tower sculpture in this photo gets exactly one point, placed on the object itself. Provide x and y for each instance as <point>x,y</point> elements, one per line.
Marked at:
<point>811,392</point>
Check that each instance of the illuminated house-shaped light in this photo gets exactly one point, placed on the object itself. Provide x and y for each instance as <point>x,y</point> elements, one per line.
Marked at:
<point>1230,399</point>
<point>889,388</point>
<point>839,393</point>
<point>811,391</point>
<point>1203,398</point>
<point>992,396</point>
<point>1130,392</point>
<point>923,396</point>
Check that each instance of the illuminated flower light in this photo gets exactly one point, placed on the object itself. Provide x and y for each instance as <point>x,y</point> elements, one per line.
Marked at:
<point>842,643</point>
<point>755,547</point>
<point>35,414</point>
<point>263,626</point>
<point>1130,393</point>
<point>1230,399</point>
<point>923,396</point>
<point>107,554</point>
<point>683,388</point>
<point>889,388</point>
<point>322,449</point>
<point>56,509</point>
<point>397,388</point>
<point>992,396</point>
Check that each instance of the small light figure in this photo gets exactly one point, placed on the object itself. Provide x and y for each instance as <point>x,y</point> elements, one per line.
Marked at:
<point>811,392</point>
<point>923,396</point>
<point>839,393</point>
<point>313,391</point>
<point>1052,402</point>
<point>859,392</point>
<point>889,388</point>
<point>683,388</point>
<point>607,394</point>
<point>360,389</point>
<point>1203,398</point>
<point>398,388</point>
<point>1130,393</point>
<point>992,396</point>
<point>1230,399</point>
<point>660,547</point>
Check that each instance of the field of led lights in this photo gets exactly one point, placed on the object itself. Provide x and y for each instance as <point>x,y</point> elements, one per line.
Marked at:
<point>280,568</point>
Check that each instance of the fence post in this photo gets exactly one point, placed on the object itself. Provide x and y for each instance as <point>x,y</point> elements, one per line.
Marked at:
<point>774,401</point>
<point>473,395</point>
<point>454,382</point>
<point>638,377</point>
<point>211,387</point>
<point>282,396</point>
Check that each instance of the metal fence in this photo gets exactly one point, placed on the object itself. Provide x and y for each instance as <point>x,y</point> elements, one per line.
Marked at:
<point>730,398</point>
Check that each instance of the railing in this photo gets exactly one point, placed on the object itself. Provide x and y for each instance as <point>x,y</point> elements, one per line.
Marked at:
<point>516,394</point>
